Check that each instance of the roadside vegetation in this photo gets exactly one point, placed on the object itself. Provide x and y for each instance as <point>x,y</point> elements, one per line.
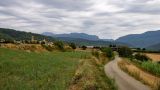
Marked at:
<point>90,74</point>
<point>151,67</point>
<point>140,67</point>
<point>108,52</point>
<point>140,74</point>
<point>145,63</point>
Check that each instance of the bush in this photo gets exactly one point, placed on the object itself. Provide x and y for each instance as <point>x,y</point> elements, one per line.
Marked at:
<point>108,52</point>
<point>141,57</point>
<point>125,52</point>
<point>59,45</point>
<point>49,48</point>
<point>84,47</point>
<point>72,45</point>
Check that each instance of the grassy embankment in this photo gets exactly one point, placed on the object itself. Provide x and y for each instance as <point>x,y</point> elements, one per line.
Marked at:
<point>20,70</point>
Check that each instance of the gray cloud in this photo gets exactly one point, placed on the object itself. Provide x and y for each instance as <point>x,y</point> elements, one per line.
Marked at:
<point>105,18</point>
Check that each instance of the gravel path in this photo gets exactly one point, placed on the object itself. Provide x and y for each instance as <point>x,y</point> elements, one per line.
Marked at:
<point>123,80</point>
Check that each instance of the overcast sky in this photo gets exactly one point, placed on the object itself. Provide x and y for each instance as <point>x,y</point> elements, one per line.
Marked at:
<point>105,18</point>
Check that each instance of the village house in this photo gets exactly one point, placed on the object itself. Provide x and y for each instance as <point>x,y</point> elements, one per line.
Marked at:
<point>2,40</point>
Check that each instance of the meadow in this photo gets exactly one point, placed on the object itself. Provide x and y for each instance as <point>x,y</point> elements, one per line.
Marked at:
<point>20,70</point>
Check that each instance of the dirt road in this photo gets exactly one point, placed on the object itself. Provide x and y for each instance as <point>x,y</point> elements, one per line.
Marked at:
<point>123,80</point>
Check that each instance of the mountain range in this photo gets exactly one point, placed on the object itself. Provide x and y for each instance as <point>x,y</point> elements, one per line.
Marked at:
<point>83,39</point>
<point>148,39</point>
<point>73,35</point>
<point>76,36</point>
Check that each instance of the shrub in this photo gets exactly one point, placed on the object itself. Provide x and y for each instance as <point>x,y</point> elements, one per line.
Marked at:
<point>125,52</point>
<point>108,52</point>
<point>59,45</point>
<point>49,48</point>
<point>84,47</point>
<point>72,45</point>
<point>141,57</point>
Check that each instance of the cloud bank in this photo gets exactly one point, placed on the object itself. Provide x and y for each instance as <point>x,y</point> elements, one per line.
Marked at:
<point>105,18</point>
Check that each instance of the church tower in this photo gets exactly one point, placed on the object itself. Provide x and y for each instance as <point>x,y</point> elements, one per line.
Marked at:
<point>32,39</point>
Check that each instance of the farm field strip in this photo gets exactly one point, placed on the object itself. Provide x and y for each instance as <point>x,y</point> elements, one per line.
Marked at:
<point>154,57</point>
<point>29,70</point>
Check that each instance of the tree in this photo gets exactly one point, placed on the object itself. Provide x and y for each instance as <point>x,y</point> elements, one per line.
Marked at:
<point>59,45</point>
<point>141,57</point>
<point>84,47</point>
<point>125,52</point>
<point>108,52</point>
<point>144,49</point>
<point>72,45</point>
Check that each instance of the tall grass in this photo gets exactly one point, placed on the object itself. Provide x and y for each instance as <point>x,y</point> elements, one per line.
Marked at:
<point>152,67</point>
<point>21,70</point>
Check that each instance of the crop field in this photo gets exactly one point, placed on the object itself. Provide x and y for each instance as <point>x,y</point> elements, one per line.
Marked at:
<point>20,70</point>
<point>153,56</point>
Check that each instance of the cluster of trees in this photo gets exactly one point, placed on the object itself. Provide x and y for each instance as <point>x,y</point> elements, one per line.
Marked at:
<point>108,52</point>
<point>141,57</point>
<point>127,52</point>
<point>72,45</point>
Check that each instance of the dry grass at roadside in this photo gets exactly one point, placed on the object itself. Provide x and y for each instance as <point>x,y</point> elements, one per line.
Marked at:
<point>90,76</point>
<point>139,74</point>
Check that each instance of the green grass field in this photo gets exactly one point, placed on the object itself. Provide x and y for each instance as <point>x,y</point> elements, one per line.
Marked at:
<point>20,70</point>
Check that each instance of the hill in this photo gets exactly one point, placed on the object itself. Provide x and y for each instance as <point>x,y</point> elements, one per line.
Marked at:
<point>11,34</point>
<point>81,42</point>
<point>155,47</point>
<point>141,40</point>
<point>73,35</point>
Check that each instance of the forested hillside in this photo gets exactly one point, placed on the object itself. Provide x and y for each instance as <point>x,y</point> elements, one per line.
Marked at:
<point>11,34</point>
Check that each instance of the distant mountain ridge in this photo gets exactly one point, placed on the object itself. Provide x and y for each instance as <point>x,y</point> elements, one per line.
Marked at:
<point>141,40</point>
<point>81,42</point>
<point>83,39</point>
<point>155,47</point>
<point>73,35</point>
<point>11,34</point>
